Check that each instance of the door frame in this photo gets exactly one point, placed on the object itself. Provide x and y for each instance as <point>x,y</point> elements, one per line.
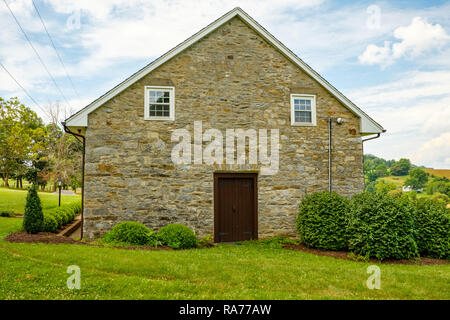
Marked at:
<point>254,177</point>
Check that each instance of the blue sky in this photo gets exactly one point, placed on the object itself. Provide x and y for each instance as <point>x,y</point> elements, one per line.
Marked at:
<point>391,58</point>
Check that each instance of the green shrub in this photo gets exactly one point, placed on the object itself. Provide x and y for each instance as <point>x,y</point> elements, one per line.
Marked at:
<point>432,222</point>
<point>131,232</point>
<point>412,195</point>
<point>50,224</point>
<point>395,193</point>
<point>60,216</point>
<point>33,217</point>
<point>6,213</point>
<point>76,206</point>
<point>441,197</point>
<point>206,241</point>
<point>321,221</point>
<point>178,236</point>
<point>384,187</point>
<point>67,213</point>
<point>381,226</point>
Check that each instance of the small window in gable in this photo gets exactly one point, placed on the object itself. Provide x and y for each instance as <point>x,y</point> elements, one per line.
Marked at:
<point>159,103</point>
<point>303,110</point>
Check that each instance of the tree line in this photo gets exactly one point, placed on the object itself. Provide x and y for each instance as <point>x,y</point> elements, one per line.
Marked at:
<point>417,179</point>
<point>38,152</point>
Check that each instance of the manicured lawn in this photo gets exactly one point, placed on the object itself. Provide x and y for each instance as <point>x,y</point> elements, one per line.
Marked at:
<point>14,200</point>
<point>12,183</point>
<point>38,271</point>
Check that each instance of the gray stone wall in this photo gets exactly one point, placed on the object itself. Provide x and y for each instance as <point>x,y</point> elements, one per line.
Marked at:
<point>230,79</point>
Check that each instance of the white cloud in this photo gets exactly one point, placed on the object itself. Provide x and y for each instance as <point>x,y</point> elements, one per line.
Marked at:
<point>377,55</point>
<point>406,88</point>
<point>19,58</point>
<point>435,151</point>
<point>112,30</point>
<point>418,37</point>
<point>415,110</point>
<point>415,39</point>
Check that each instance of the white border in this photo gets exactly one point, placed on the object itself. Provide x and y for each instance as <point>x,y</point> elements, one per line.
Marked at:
<point>171,90</point>
<point>368,125</point>
<point>312,98</point>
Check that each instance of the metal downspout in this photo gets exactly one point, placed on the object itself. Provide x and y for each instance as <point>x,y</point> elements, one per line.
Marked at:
<point>330,181</point>
<point>82,172</point>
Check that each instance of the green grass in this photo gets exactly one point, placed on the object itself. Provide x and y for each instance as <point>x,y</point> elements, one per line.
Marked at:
<point>38,271</point>
<point>14,200</point>
<point>12,183</point>
<point>399,181</point>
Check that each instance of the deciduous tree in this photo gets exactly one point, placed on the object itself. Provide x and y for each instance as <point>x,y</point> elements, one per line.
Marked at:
<point>417,178</point>
<point>21,132</point>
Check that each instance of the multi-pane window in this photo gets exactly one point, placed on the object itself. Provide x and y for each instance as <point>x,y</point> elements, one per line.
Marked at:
<point>303,110</point>
<point>159,103</point>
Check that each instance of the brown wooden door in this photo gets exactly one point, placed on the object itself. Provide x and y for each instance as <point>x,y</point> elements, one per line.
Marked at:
<point>235,207</point>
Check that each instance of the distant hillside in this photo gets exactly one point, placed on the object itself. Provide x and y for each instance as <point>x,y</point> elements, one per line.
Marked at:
<point>441,173</point>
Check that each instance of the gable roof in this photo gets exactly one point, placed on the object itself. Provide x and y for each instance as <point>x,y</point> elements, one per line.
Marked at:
<point>368,125</point>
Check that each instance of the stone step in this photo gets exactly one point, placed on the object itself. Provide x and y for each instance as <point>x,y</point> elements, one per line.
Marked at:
<point>70,228</point>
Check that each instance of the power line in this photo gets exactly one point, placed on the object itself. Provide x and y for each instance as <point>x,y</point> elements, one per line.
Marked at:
<point>57,53</point>
<point>24,90</point>
<point>35,51</point>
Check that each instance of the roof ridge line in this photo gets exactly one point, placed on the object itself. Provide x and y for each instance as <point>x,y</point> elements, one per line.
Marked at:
<point>237,11</point>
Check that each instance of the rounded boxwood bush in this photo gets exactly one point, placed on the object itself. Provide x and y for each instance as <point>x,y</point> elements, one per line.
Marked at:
<point>50,224</point>
<point>381,226</point>
<point>432,223</point>
<point>178,236</point>
<point>58,217</point>
<point>63,212</point>
<point>75,206</point>
<point>321,221</point>
<point>131,232</point>
<point>33,216</point>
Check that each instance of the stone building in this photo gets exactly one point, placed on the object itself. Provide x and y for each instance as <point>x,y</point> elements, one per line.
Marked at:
<point>160,149</point>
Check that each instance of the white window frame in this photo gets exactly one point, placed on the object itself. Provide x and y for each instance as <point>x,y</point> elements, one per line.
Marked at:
<point>171,90</point>
<point>310,97</point>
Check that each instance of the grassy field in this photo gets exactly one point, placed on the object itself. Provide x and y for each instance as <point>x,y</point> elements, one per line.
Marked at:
<point>441,173</point>
<point>39,271</point>
<point>399,181</point>
<point>14,200</point>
